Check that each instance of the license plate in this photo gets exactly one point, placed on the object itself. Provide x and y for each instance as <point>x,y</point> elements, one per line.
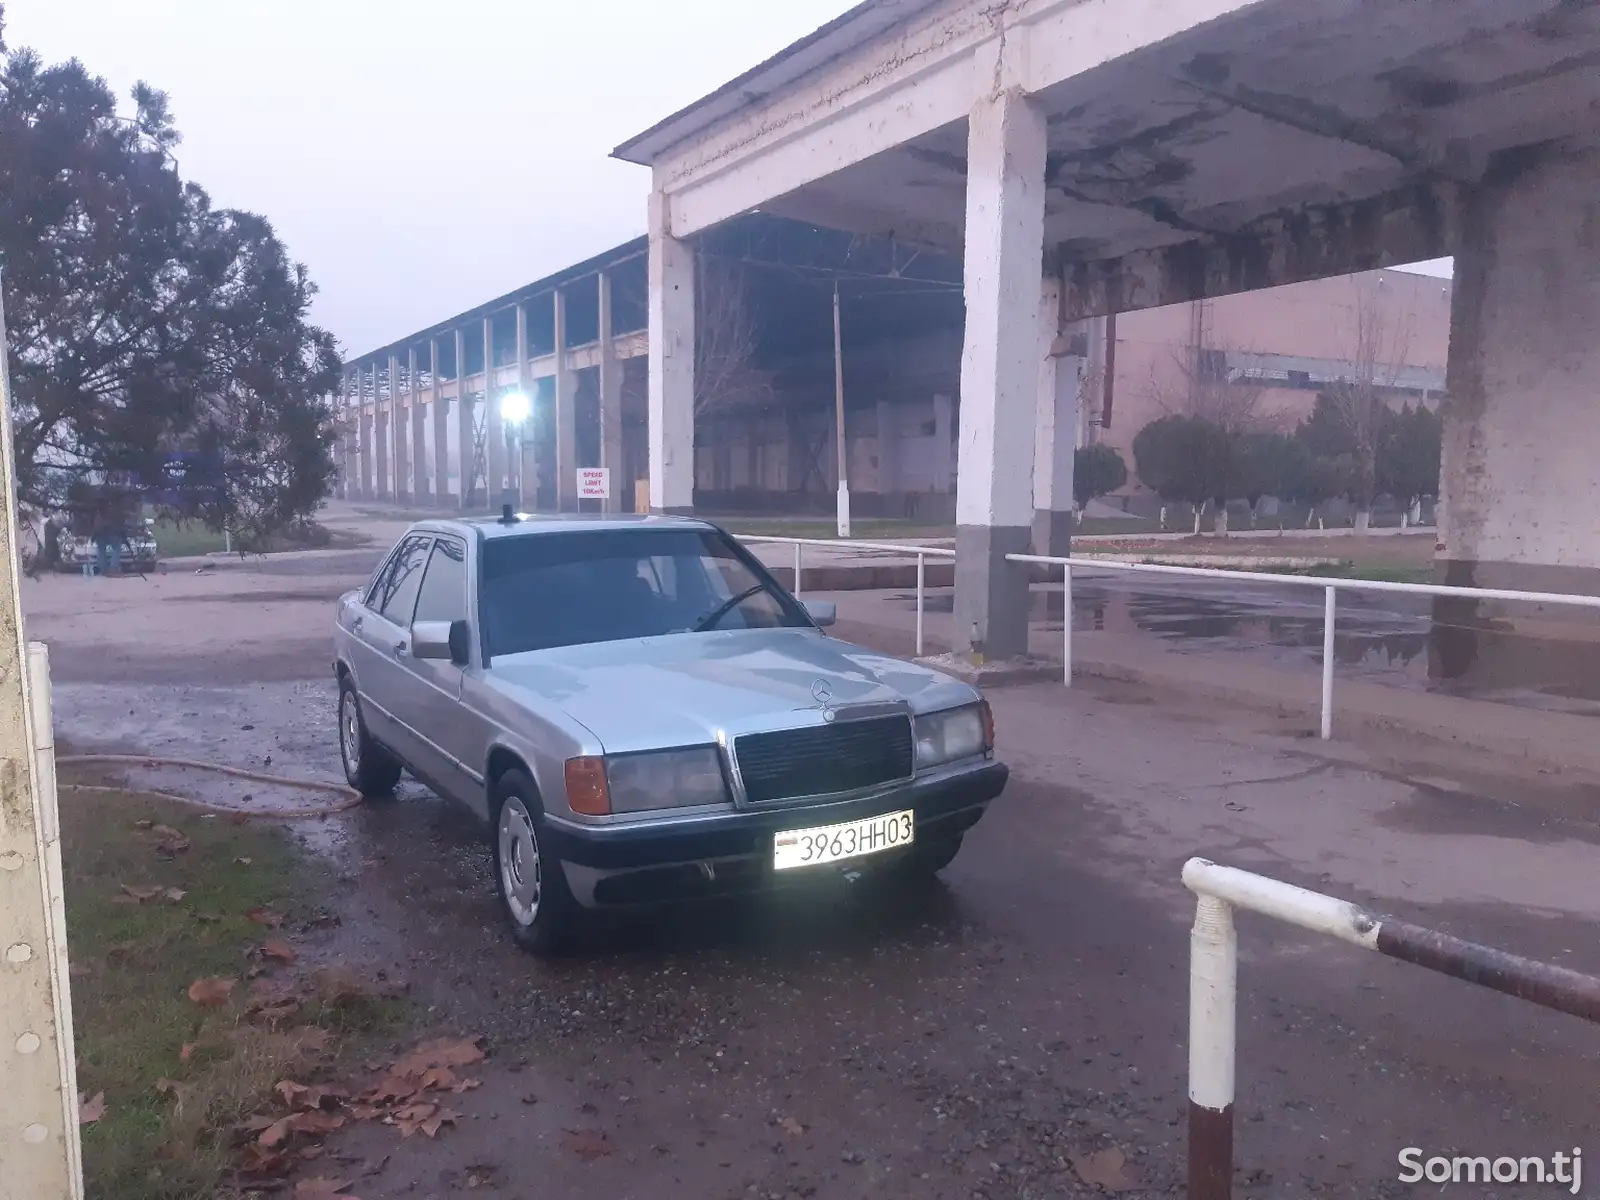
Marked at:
<point>852,839</point>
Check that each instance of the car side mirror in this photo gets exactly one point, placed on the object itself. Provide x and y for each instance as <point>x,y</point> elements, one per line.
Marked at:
<point>442,641</point>
<point>822,612</point>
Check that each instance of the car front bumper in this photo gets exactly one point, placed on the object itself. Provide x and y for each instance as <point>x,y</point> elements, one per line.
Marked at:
<point>614,865</point>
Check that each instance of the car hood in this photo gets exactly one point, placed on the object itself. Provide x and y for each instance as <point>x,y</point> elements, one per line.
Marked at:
<point>686,689</point>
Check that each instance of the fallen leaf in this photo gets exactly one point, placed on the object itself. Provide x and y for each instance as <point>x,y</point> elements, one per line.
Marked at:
<point>91,1110</point>
<point>274,1135</point>
<point>169,840</point>
<point>174,895</point>
<point>440,1052</point>
<point>367,1112</point>
<point>1105,1169</point>
<point>315,1124</point>
<point>256,1162</point>
<point>434,1123</point>
<point>137,895</point>
<point>274,1014</point>
<point>213,992</point>
<point>792,1127</point>
<point>320,1188</point>
<point>300,1097</point>
<point>264,916</point>
<point>587,1144</point>
<point>279,951</point>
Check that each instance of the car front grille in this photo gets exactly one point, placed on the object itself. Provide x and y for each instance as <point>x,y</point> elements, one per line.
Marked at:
<point>825,759</point>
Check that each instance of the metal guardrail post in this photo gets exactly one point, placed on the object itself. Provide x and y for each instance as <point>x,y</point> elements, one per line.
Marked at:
<point>920,559</point>
<point>1213,1002</point>
<point>1213,989</point>
<point>1329,603</point>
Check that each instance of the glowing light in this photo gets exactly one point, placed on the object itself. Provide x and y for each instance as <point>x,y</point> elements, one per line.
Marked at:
<point>515,408</point>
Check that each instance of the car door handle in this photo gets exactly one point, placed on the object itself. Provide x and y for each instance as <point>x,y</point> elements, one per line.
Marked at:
<point>355,626</point>
<point>401,649</point>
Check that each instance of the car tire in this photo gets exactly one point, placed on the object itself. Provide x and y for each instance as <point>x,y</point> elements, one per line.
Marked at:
<point>368,767</point>
<point>534,896</point>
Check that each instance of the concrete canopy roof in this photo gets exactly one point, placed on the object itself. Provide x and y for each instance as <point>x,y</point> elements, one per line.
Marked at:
<point>1169,125</point>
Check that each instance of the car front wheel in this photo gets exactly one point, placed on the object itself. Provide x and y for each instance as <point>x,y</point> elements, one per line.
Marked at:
<point>368,767</point>
<point>533,888</point>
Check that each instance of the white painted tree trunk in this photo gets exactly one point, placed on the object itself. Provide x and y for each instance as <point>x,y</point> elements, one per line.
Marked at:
<point>1363,520</point>
<point>1219,521</point>
<point>1416,511</point>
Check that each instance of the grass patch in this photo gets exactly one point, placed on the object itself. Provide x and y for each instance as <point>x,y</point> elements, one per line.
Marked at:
<point>132,967</point>
<point>186,540</point>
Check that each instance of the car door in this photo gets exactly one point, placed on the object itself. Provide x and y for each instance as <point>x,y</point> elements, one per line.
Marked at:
<point>449,739</point>
<point>383,644</point>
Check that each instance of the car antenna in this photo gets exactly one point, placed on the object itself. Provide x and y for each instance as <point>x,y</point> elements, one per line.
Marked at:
<point>507,517</point>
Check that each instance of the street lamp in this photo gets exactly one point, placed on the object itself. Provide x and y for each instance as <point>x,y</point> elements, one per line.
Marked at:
<point>515,409</point>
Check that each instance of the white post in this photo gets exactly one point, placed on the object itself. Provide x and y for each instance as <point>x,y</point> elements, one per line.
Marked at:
<point>1213,999</point>
<point>1066,624</point>
<point>40,1149</point>
<point>797,549</point>
<point>920,558</point>
<point>841,441</point>
<point>1328,603</point>
<point>672,344</point>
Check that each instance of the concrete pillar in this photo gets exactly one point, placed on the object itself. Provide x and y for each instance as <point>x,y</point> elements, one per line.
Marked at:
<point>610,399</point>
<point>672,344</point>
<point>1055,434</point>
<point>1004,261</point>
<point>399,426</point>
<point>494,438</point>
<point>523,468</point>
<point>566,415</point>
<point>364,430</point>
<point>441,428</point>
<point>418,433</point>
<point>944,464</point>
<point>349,437</point>
<point>888,454</point>
<point>466,449</point>
<point>1521,496</point>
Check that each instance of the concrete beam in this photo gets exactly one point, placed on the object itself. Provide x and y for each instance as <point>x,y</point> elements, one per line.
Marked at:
<point>1404,226</point>
<point>895,89</point>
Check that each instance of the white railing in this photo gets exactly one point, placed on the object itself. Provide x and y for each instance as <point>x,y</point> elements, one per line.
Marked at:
<point>1330,589</point>
<point>1214,987</point>
<point>921,553</point>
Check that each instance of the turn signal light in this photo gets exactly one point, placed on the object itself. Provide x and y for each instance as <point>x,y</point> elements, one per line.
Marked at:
<point>586,787</point>
<point>988,724</point>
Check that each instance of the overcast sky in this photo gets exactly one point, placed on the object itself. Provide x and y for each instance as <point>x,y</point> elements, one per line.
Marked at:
<point>420,158</point>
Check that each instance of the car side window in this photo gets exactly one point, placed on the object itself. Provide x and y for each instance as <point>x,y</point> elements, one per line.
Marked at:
<point>444,588</point>
<point>375,590</point>
<point>397,592</point>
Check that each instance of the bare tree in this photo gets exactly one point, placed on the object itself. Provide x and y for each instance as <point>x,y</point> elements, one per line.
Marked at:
<point>725,375</point>
<point>1378,346</point>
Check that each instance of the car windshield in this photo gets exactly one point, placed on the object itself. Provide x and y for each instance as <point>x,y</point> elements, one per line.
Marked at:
<point>568,589</point>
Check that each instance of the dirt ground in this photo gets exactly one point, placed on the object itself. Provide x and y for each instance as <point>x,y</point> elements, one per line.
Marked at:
<point>968,1040</point>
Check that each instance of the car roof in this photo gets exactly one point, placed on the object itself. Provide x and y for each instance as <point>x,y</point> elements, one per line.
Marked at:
<point>534,524</point>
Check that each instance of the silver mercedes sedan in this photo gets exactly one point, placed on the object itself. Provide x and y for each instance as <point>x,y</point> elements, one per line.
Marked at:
<point>640,712</point>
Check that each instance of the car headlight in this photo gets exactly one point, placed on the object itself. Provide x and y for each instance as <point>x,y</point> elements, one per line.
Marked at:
<point>952,734</point>
<point>665,779</point>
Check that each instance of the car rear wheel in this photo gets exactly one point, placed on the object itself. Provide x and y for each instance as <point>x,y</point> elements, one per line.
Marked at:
<point>368,767</point>
<point>533,888</point>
